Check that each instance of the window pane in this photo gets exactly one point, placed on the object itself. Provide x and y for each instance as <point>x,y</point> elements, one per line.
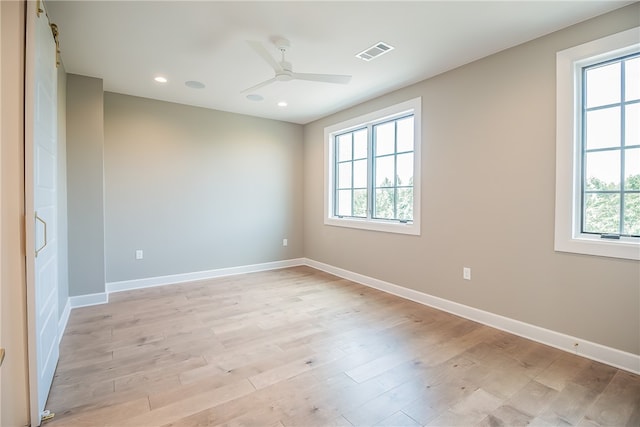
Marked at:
<point>384,171</point>
<point>602,213</point>
<point>632,169</point>
<point>384,138</point>
<point>344,203</point>
<point>603,128</point>
<point>632,214</point>
<point>360,174</point>
<point>404,172</point>
<point>366,189</point>
<point>360,144</point>
<point>405,135</point>
<point>344,175</point>
<point>603,85</point>
<point>632,125</point>
<point>384,203</point>
<point>360,203</point>
<point>344,147</point>
<point>405,203</point>
<point>632,79</point>
<point>603,170</point>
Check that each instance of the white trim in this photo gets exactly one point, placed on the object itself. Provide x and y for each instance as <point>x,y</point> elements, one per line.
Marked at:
<point>64,319</point>
<point>88,300</point>
<point>412,228</point>
<point>127,285</point>
<point>611,356</point>
<point>568,236</point>
<point>103,297</point>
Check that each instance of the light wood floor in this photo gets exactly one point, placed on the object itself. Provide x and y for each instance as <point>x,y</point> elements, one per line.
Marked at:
<point>299,347</point>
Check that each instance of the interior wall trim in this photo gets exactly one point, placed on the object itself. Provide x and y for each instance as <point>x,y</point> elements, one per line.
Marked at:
<point>88,300</point>
<point>127,285</point>
<point>594,351</point>
<point>64,319</point>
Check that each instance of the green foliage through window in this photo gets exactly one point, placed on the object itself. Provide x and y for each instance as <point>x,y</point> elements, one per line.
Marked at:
<point>611,147</point>
<point>602,208</point>
<point>386,174</point>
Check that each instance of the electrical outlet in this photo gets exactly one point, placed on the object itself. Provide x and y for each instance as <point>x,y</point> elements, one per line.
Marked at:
<point>466,273</point>
<point>285,242</point>
<point>139,254</point>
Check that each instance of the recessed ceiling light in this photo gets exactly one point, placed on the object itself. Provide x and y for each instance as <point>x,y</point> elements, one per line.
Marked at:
<point>255,97</point>
<point>282,104</point>
<point>194,84</point>
<point>160,79</point>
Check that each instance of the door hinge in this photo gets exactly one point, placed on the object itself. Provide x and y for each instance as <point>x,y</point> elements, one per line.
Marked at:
<point>1,356</point>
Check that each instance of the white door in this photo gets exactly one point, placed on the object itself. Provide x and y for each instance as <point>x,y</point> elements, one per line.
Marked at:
<point>41,200</point>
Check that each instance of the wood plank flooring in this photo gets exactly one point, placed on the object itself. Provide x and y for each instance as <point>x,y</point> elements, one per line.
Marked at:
<point>299,347</point>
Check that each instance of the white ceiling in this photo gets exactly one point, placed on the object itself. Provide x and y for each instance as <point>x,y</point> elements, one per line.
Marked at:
<point>127,43</point>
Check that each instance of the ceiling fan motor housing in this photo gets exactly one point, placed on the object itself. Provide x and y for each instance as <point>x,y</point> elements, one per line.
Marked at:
<point>287,72</point>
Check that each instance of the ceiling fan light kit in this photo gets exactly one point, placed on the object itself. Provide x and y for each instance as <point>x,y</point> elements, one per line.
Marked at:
<point>284,70</point>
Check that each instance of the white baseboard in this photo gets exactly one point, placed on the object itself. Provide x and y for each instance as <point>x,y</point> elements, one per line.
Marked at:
<point>64,318</point>
<point>128,285</point>
<point>611,356</point>
<point>103,297</point>
<point>88,300</point>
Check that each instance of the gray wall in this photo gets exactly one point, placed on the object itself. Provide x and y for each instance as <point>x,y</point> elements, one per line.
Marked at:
<point>197,189</point>
<point>85,185</point>
<point>488,188</point>
<point>62,235</point>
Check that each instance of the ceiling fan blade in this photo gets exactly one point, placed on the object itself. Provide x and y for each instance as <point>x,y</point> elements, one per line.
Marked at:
<point>325,78</point>
<point>262,51</point>
<point>259,85</point>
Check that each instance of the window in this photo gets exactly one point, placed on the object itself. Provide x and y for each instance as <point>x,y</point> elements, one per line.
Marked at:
<point>611,147</point>
<point>373,170</point>
<point>598,147</point>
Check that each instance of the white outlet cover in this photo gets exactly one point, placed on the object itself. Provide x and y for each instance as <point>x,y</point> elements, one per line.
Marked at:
<point>466,273</point>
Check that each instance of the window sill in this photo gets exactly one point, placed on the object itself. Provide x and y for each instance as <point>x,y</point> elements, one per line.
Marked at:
<point>384,226</point>
<point>625,248</point>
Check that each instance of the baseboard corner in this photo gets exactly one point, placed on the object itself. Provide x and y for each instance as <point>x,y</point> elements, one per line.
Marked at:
<point>78,301</point>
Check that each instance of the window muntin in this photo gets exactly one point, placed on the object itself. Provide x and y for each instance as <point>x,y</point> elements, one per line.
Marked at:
<point>373,170</point>
<point>393,169</point>
<point>391,163</point>
<point>611,147</point>
<point>604,151</point>
<point>351,167</point>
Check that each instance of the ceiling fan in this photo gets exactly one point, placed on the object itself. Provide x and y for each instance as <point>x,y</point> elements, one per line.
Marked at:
<point>283,69</point>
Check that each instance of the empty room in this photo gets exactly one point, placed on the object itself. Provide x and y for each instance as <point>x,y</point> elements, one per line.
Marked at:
<point>319,213</point>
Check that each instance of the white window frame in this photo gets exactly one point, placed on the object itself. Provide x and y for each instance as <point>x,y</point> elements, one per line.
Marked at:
<point>391,226</point>
<point>569,64</point>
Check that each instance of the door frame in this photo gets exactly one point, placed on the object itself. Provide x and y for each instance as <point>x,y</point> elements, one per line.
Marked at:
<point>29,78</point>
<point>34,10</point>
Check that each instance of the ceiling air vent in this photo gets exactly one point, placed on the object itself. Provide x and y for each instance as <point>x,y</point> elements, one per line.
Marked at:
<point>374,51</point>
